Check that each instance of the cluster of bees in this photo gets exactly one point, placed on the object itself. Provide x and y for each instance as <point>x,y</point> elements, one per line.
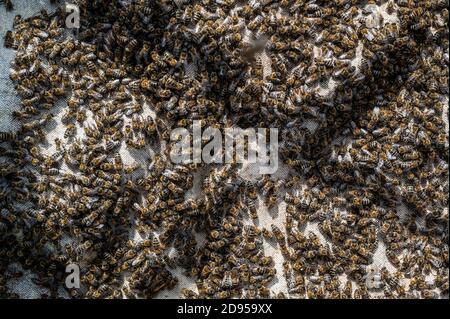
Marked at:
<point>374,142</point>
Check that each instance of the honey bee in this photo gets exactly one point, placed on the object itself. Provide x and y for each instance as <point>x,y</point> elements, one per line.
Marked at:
<point>8,5</point>
<point>9,40</point>
<point>7,136</point>
<point>70,131</point>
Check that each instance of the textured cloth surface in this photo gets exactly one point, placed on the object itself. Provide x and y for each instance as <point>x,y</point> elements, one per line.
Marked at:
<point>9,102</point>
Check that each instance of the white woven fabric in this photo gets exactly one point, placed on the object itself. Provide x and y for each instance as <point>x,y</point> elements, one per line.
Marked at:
<point>9,102</point>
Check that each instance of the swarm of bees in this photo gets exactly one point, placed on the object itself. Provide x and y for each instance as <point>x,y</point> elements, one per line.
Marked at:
<point>378,143</point>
